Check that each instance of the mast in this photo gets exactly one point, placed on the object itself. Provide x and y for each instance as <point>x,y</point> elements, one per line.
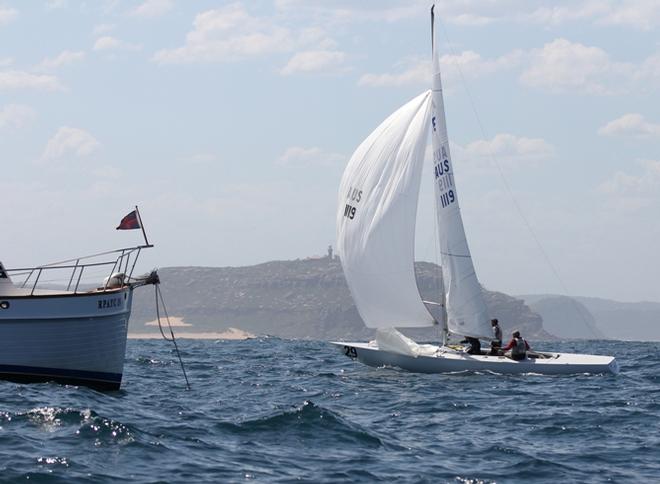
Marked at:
<point>144,233</point>
<point>467,314</point>
<point>443,296</point>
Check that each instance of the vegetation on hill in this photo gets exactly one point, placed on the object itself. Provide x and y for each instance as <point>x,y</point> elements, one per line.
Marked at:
<point>305,298</point>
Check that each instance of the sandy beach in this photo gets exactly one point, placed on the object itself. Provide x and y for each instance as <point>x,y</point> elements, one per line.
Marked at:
<point>175,321</point>
<point>229,334</point>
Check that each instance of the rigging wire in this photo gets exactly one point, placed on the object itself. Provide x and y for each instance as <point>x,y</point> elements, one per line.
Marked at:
<point>507,187</point>
<point>159,295</point>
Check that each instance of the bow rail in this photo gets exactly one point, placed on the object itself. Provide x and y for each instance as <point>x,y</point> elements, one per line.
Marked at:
<point>93,267</point>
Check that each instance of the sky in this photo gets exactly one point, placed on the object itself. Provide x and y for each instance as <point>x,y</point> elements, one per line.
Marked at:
<point>230,124</point>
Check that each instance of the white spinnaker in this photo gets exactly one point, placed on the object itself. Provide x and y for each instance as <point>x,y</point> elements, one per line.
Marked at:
<point>466,311</point>
<point>376,219</point>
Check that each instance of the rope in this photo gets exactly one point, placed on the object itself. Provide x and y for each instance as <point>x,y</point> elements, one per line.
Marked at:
<point>159,296</point>
<point>160,327</point>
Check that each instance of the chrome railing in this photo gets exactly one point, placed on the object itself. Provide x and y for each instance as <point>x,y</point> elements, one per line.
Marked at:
<point>123,262</point>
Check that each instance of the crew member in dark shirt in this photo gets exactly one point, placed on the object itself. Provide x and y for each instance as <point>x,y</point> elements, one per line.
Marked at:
<point>475,345</point>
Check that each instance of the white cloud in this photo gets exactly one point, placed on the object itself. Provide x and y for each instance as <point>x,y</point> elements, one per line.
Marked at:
<point>472,65</point>
<point>351,11</point>
<point>200,158</point>
<point>636,14</point>
<point>562,66</point>
<point>415,72</point>
<point>16,116</point>
<point>327,61</point>
<point>468,63</point>
<point>108,172</point>
<point>64,58</point>
<point>559,66</point>
<point>470,20</point>
<point>106,42</point>
<point>632,192</point>
<point>632,124</point>
<point>510,148</point>
<point>112,43</point>
<point>649,70</point>
<point>7,15</point>
<point>153,8</point>
<point>560,14</point>
<point>231,33</point>
<point>623,183</point>
<point>298,155</point>
<point>70,141</point>
<point>226,34</point>
<point>316,37</point>
<point>56,4</point>
<point>103,29</point>
<point>641,14</point>
<point>26,80</point>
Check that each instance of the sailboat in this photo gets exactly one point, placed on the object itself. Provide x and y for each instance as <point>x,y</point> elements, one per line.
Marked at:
<point>376,218</point>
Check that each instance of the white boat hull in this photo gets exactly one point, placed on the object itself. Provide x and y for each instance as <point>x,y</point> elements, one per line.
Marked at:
<point>69,338</point>
<point>449,361</point>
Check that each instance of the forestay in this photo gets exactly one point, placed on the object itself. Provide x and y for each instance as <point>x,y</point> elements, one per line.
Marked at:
<point>376,219</point>
<point>466,311</point>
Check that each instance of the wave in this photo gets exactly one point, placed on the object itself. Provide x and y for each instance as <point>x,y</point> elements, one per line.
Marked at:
<point>281,411</point>
<point>307,421</point>
<point>89,424</point>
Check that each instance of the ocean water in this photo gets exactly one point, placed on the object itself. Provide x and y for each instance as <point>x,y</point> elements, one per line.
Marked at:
<point>271,410</point>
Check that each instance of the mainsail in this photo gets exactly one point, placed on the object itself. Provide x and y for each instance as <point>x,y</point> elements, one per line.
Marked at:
<point>376,222</point>
<point>376,219</point>
<point>466,311</point>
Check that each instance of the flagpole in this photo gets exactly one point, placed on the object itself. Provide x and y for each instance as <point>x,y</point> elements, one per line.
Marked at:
<point>137,211</point>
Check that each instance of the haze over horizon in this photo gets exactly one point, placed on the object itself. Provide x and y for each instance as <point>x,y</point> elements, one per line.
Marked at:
<point>230,124</point>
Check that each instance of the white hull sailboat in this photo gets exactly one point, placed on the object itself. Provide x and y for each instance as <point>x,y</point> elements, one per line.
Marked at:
<point>75,334</point>
<point>376,218</point>
<point>444,359</point>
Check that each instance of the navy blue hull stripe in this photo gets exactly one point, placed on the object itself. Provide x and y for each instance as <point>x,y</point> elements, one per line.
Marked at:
<point>35,373</point>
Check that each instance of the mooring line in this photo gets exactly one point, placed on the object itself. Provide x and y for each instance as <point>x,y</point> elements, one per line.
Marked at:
<point>159,295</point>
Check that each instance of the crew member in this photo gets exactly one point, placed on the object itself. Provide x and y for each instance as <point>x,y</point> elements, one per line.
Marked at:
<point>474,347</point>
<point>496,344</point>
<point>518,346</point>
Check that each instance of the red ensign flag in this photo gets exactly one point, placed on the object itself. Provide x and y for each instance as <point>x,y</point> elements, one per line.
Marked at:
<point>129,222</point>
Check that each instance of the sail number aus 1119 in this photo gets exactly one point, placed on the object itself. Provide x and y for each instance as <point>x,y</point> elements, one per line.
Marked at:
<point>445,182</point>
<point>447,198</point>
<point>353,197</point>
<point>349,211</point>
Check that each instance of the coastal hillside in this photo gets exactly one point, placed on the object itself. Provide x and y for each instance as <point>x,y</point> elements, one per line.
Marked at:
<point>638,321</point>
<point>580,317</point>
<point>305,298</point>
<point>567,317</point>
